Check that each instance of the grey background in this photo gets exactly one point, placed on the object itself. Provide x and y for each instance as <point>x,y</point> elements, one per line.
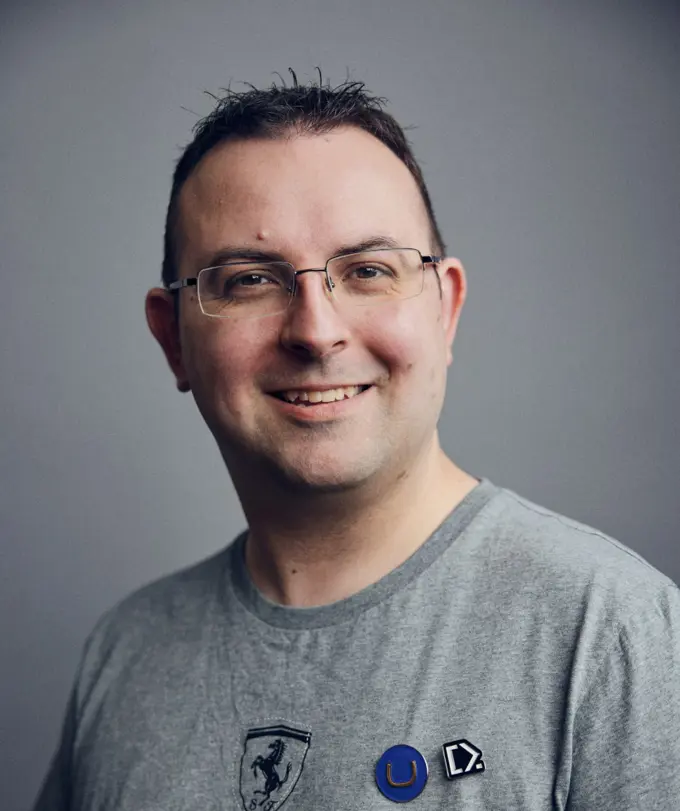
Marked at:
<point>549,135</point>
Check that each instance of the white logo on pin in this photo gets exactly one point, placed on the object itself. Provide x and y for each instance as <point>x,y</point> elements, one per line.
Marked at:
<point>462,758</point>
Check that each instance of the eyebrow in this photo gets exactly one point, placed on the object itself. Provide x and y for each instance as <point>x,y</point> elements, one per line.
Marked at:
<point>242,253</point>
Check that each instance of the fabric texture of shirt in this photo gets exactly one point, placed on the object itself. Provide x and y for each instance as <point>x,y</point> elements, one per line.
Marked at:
<point>544,653</point>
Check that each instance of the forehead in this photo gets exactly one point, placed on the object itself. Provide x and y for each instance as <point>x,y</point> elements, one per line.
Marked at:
<point>300,194</point>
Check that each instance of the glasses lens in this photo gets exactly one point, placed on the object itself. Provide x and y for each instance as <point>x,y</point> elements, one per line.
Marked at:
<point>372,277</point>
<point>245,290</point>
<point>255,290</point>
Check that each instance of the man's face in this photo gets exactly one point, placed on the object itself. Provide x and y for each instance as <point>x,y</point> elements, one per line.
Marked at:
<point>304,199</point>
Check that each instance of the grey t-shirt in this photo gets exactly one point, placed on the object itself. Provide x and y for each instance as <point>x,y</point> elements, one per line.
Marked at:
<point>531,663</point>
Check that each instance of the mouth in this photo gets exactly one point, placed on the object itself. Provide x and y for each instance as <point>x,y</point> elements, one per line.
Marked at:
<point>312,399</point>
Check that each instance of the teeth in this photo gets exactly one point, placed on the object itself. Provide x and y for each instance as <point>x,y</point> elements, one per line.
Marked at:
<point>321,396</point>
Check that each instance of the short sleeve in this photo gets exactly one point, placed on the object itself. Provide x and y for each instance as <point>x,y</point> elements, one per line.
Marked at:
<point>626,737</point>
<point>55,792</point>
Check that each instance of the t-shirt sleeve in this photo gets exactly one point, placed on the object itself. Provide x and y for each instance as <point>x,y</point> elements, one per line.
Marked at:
<point>626,738</point>
<point>55,792</point>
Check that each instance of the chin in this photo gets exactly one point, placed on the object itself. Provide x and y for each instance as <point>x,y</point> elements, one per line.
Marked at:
<point>309,481</point>
<point>317,477</point>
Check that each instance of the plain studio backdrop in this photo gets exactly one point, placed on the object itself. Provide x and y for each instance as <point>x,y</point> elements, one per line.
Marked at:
<point>549,135</point>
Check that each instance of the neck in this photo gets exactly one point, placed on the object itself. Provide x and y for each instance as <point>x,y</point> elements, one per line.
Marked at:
<point>327,548</point>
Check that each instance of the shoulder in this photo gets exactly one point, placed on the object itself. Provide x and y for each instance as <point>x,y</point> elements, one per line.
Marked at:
<point>167,617</point>
<point>174,598</point>
<point>555,555</point>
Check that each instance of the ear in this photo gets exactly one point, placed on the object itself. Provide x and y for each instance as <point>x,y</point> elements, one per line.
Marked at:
<point>160,316</point>
<point>454,291</point>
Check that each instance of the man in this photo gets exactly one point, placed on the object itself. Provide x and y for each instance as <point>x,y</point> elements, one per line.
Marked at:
<point>388,628</point>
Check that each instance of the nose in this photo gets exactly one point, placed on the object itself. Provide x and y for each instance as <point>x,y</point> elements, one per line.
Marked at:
<point>314,326</point>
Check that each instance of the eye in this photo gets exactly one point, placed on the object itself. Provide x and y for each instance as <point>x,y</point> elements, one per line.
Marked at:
<point>373,271</point>
<point>244,280</point>
<point>248,282</point>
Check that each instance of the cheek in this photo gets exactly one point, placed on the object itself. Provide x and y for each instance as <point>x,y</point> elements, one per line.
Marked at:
<point>415,332</point>
<point>220,368</point>
<point>412,346</point>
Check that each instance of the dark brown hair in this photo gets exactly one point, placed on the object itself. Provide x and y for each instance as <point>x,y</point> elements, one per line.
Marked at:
<point>274,112</point>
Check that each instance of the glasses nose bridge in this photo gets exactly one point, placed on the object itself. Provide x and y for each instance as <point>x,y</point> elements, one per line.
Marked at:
<point>329,282</point>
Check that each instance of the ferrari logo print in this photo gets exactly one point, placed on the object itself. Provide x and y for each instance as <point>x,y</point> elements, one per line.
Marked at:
<point>271,765</point>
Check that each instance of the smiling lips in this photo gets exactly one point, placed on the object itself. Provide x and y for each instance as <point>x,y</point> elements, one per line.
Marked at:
<point>320,396</point>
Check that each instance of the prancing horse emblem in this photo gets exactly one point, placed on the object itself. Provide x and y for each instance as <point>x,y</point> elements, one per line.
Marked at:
<point>271,765</point>
<point>267,765</point>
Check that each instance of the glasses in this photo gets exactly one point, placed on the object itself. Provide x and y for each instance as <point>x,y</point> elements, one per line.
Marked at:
<point>246,290</point>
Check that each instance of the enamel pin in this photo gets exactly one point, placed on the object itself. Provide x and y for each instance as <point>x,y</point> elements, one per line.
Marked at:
<point>462,758</point>
<point>401,773</point>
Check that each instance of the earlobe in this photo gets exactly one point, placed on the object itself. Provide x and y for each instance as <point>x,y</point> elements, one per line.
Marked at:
<point>160,316</point>
<point>454,292</point>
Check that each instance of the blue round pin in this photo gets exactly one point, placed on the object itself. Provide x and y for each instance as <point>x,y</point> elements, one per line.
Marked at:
<point>401,773</point>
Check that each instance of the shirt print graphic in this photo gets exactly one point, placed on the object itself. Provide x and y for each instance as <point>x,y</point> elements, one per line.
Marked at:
<point>271,765</point>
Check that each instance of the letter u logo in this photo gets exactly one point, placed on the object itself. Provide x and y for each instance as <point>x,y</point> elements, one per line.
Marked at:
<point>396,784</point>
<point>401,773</point>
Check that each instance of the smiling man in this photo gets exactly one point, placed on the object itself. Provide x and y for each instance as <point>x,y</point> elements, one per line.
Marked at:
<point>372,336</point>
<point>388,628</point>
